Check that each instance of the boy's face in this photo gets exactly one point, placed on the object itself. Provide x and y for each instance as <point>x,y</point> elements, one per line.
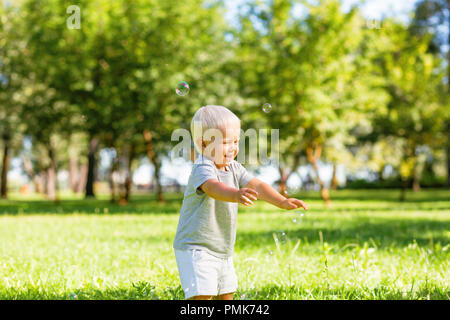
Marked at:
<point>223,146</point>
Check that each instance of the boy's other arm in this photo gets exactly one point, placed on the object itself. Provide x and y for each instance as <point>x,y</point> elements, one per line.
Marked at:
<point>270,195</point>
<point>220,191</point>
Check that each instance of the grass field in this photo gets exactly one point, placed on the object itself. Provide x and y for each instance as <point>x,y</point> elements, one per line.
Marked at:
<point>367,245</point>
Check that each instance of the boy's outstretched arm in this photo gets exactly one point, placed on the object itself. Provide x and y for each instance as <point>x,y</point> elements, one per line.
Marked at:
<point>220,191</point>
<point>269,194</point>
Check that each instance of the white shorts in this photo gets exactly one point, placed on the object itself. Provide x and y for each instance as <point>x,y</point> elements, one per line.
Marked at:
<point>203,274</point>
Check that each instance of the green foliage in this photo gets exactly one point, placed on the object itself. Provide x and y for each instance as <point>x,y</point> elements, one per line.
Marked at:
<point>395,183</point>
<point>416,113</point>
<point>332,81</point>
<point>312,71</point>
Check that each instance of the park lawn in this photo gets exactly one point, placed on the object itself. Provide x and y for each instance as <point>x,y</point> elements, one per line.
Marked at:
<point>367,245</point>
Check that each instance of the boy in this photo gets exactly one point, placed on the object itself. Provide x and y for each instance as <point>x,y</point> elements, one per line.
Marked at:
<point>206,233</point>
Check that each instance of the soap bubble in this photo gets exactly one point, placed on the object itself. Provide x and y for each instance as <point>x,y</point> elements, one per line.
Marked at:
<point>269,254</point>
<point>182,88</point>
<point>282,236</point>
<point>293,189</point>
<point>267,107</point>
<point>300,213</point>
<point>297,220</point>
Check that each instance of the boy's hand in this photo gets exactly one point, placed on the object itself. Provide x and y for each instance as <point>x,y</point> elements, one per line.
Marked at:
<point>292,203</point>
<point>246,195</point>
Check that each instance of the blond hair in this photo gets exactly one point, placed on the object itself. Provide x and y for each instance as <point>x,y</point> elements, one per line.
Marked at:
<point>210,117</point>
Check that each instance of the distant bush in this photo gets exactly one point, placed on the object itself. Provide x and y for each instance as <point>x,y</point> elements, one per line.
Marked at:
<point>427,181</point>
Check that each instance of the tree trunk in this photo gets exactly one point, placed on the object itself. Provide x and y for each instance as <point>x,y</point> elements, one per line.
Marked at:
<point>313,155</point>
<point>93,145</point>
<point>283,182</point>
<point>44,174</point>
<point>159,193</point>
<point>39,182</point>
<point>153,159</point>
<point>380,173</point>
<point>129,179</point>
<point>112,169</point>
<point>334,182</point>
<point>5,166</point>
<point>416,184</point>
<point>112,184</point>
<point>81,185</point>
<point>74,174</point>
<point>416,177</point>
<point>52,181</point>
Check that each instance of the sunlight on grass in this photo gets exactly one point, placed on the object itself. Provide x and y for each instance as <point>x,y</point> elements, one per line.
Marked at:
<point>357,249</point>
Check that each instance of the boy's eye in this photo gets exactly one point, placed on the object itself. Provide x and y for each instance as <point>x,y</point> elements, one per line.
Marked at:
<point>228,142</point>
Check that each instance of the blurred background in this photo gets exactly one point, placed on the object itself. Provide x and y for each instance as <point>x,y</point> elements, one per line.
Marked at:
<point>359,91</point>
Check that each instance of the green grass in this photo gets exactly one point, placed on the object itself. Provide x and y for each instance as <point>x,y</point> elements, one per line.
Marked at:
<point>367,245</point>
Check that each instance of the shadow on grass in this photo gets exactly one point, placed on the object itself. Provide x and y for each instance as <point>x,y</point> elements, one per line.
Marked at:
<point>384,233</point>
<point>138,205</point>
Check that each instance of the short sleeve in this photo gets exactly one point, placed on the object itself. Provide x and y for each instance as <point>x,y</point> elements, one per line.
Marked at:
<point>202,173</point>
<point>242,175</point>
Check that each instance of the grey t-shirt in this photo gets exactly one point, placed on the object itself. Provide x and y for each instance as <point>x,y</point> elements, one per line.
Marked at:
<point>207,223</point>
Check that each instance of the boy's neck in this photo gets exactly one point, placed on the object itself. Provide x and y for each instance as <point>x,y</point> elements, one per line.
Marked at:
<point>223,167</point>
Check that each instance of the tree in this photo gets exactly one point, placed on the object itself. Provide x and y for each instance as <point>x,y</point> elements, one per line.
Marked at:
<point>11,128</point>
<point>40,72</point>
<point>311,71</point>
<point>415,113</point>
<point>183,41</point>
<point>114,78</point>
<point>432,17</point>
